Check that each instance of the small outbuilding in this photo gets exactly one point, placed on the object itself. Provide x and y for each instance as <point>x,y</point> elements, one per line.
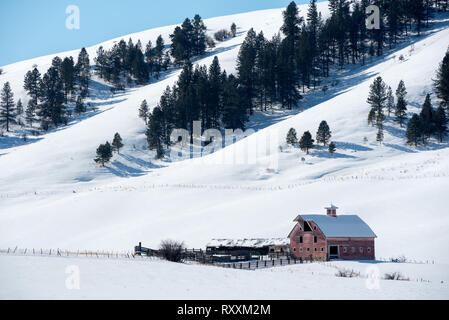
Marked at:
<point>331,236</point>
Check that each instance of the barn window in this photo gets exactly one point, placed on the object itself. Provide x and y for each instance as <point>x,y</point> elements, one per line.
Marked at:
<point>300,249</point>
<point>322,249</point>
<point>316,249</point>
<point>314,227</point>
<point>294,249</point>
<point>345,249</point>
<point>315,239</point>
<point>308,249</point>
<point>300,239</point>
<point>307,226</point>
<point>369,249</point>
<point>361,249</point>
<point>353,249</point>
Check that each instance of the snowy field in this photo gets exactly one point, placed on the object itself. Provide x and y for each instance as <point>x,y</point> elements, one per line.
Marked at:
<point>52,194</point>
<point>25,277</point>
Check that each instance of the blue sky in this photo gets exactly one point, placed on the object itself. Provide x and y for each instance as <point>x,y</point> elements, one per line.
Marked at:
<point>33,28</point>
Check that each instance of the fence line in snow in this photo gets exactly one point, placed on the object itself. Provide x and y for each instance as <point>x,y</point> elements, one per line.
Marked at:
<point>146,187</point>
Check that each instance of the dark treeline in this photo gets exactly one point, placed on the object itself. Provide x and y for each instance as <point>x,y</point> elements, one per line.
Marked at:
<point>128,62</point>
<point>277,71</point>
<point>201,93</point>
<point>51,94</point>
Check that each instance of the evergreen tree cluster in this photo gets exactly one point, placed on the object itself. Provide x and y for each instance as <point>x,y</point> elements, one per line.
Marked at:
<point>306,142</point>
<point>382,102</point>
<point>429,122</point>
<point>274,71</point>
<point>105,151</point>
<point>126,62</point>
<point>188,40</point>
<point>50,95</point>
<point>205,94</point>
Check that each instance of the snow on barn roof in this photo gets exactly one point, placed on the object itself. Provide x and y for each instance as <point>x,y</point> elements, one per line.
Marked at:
<point>341,226</point>
<point>248,243</point>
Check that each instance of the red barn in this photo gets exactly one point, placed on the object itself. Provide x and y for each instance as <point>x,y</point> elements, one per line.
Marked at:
<point>325,237</point>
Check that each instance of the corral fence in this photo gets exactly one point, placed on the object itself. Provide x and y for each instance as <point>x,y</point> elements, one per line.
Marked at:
<point>260,264</point>
<point>243,262</point>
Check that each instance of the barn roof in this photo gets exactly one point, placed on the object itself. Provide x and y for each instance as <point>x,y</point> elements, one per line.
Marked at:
<point>248,243</point>
<point>341,226</point>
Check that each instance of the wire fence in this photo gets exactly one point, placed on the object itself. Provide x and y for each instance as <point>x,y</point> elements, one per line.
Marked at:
<point>145,187</point>
<point>73,253</point>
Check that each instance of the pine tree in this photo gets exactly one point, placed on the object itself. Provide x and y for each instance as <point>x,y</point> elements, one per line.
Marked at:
<point>101,61</point>
<point>198,36</point>
<point>323,134</point>
<point>426,118</point>
<point>413,134</point>
<point>292,22</point>
<point>441,123</point>
<point>155,131</point>
<point>416,8</point>
<point>441,82</point>
<point>138,67</point>
<point>144,112</point>
<point>159,56</point>
<point>215,93</point>
<point>288,79</point>
<point>7,112</point>
<point>67,74</point>
<point>32,84</point>
<point>233,30</point>
<point>371,117</point>
<point>390,101</point>
<point>83,72</point>
<point>117,143</point>
<point>332,148</point>
<point>234,112</point>
<point>401,111</point>
<point>104,153</point>
<point>377,99</point>
<point>19,108</point>
<point>401,105</point>
<point>292,139</point>
<point>51,109</point>
<point>246,69</point>
<point>306,142</point>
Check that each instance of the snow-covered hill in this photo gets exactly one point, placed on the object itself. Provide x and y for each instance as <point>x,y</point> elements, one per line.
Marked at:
<point>52,194</point>
<point>25,277</point>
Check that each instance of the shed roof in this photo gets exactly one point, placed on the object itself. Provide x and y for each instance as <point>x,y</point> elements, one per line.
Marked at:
<point>341,226</point>
<point>248,243</point>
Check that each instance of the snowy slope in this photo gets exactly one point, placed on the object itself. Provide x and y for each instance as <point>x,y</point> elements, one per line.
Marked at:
<point>53,195</point>
<point>46,278</point>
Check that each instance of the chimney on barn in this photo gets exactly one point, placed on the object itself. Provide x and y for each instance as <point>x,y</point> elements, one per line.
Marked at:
<point>331,211</point>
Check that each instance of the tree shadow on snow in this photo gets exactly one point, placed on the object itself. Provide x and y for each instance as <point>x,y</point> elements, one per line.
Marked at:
<point>7,142</point>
